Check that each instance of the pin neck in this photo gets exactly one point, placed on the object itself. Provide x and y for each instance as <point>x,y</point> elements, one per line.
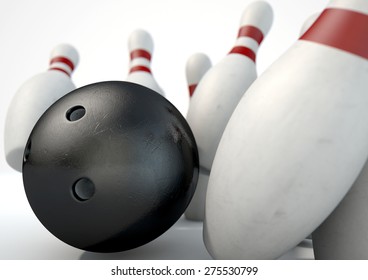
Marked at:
<point>140,61</point>
<point>140,53</point>
<point>248,40</point>
<point>140,68</point>
<point>341,29</point>
<point>62,64</point>
<point>244,51</point>
<point>252,32</point>
<point>64,60</point>
<point>192,89</point>
<point>59,69</point>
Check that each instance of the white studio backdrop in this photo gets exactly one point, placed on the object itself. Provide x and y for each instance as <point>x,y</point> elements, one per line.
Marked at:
<point>100,29</point>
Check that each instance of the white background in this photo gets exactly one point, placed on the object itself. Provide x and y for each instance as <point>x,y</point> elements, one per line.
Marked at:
<point>100,29</point>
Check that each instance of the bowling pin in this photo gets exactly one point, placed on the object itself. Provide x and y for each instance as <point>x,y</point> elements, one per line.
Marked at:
<point>33,98</point>
<point>197,65</point>
<point>220,90</point>
<point>295,143</point>
<point>140,45</point>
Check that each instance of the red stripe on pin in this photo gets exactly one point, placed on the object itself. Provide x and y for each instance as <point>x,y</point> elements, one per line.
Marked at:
<point>244,51</point>
<point>59,69</point>
<point>192,89</point>
<point>342,29</point>
<point>252,32</point>
<point>139,68</point>
<point>64,60</point>
<point>140,53</point>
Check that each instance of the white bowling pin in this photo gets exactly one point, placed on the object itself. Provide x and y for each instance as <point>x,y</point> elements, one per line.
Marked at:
<point>33,98</point>
<point>140,45</point>
<point>197,65</point>
<point>220,90</point>
<point>295,143</point>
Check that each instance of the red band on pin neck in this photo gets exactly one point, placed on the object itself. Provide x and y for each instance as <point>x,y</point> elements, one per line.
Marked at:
<point>59,69</point>
<point>252,32</point>
<point>342,29</point>
<point>140,53</point>
<point>244,51</point>
<point>64,60</point>
<point>139,68</point>
<point>192,89</point>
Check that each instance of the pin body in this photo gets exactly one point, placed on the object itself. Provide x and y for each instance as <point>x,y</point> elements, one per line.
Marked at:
<point>221,88</point>
<point>33,98</point>
<point>140,45</point>
<point>293,146</point>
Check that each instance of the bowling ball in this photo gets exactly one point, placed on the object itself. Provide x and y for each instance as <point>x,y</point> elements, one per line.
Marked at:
<point>110,167</point>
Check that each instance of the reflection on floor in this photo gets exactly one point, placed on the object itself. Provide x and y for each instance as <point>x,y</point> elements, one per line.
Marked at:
<point>24,237</point>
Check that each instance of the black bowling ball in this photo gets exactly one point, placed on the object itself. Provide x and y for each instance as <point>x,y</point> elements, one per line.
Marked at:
<point>110,167</point>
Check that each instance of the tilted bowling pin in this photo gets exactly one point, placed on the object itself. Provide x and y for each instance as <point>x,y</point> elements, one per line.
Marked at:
<point>33,98</point>
<point>220,90</point>
<point>295,143</point>
<point>197,65</point>
<point>140,45</point>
